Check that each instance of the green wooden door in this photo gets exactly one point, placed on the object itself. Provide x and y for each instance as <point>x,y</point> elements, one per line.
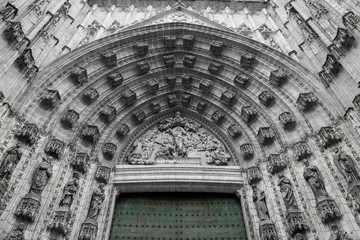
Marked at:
<point>181,216</point>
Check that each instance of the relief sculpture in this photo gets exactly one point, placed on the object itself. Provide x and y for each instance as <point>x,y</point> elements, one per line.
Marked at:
<point>177,138</point>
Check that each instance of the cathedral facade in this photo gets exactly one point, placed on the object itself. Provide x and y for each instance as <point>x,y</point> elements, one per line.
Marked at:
<point>254,98</point>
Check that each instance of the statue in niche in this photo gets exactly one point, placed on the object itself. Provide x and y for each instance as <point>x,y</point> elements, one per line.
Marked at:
<point>260,204</point>
<point>17,233</point>
<point>97,199</point>
<point>10,161</point>
<point>314,178</point>
<point>287,192</point>
<point>70,191</point>
<point>175,138</point>
<point>347,167</point>
<point>41,177</point>
<point>337,234</point>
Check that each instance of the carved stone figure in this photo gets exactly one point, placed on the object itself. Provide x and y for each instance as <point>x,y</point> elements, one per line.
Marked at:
<point>97,199</point>
<point>41,177</point>
<point>11,158</point>
<point>287,192</point>
<point>70,191</point>
<point>337,234</point>
<point>347,168</point>
<point>314,178</point>
<point>260,204</point>
<point>17,233</point>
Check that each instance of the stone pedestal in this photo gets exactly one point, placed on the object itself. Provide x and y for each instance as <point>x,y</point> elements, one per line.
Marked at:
<point>296,221</point>
<point>28,207</point>
<point>327,209</point>
<point>60,222</point>
<point>88,230</point>
<point>268,230</point>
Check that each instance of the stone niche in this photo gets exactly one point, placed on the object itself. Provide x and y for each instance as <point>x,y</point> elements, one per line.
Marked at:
<point>55,148</point>
<point>189,60</point>
<point>80,162</point>
<point>169,42</point>
<point>50,98</point>
<point>28,133</point>
<point>188,41</point>
<point>216,47</point>
<point>178,140</point>
<point>142,48</point>
<point>241,80</point>
<point>28,207</point>
<point>91,95</point>
<point>79,75</point>
<point>169,60</point>
<point>115,79</point>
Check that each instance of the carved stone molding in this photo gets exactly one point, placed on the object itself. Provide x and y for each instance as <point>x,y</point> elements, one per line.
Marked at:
<point>171,80</point>
<point>109,58</point>
<point>268,230</point>
<point>185,99</point>
<point>142,48</point>
<point>14,32</point>
<point>247,60</point>
<point>248,113</point>
<point>102,174</point>
<point>55,148</point>
<point>296,221</point>
<point>201,106</point>
<point>189,60</point>
<point>69,118</point>
<point>328,209</point>
<point>241,80</point>
<point>155,106</point>
<point>350,20</point>
<point>80,162</point>
<point>253,174</point>
<point>90,134</point>
<point>247,151</point>
<point>60,222</point>
<point>91,95</point>
<point>169,42</point>
<point>328,136</point>
<point>325,78</point>
<point>218,116</point>
<point>266,98</point>
<point>188,41</point>
<point>215,67</point>
<point>28,133</point>
<point>171,99</point>
<point>28,207</point>
<point>143,67</point>
<point>216,47</point>
<point>153,85</point>
<point>266,135</point>
<point>79,74</point>
<point>301,150</point>
<point>234,131</point>
<point>277,77</point>
<point>122,131</point>
<point>205,85</point>
<point>186,80</point>
<point>138,116</point>
<point>115,79</point>
<point>129,97</point>
<point>109,150</point>
<point>331,64</point>
<point>306,101</point>
<point>50,98</point>
<point>228,97</point>
<point>108,113</point>
<point>169,60</point>
<point>9,12</point>
<point>287,120</point>
<point>276,163</point>
<point>26,59</point>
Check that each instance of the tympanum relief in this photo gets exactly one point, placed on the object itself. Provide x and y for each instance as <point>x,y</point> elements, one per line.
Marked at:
<point>176,139</point>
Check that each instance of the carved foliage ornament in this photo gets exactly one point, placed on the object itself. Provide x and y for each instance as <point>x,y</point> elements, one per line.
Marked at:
<point>28,133</point>
<point>54,148</point>
<point>8,12</point>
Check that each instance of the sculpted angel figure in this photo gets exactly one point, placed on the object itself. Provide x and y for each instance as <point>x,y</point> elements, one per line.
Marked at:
<point>287,192</point>
<point>41,176</point>
<point>260,204</point>
<point>347,167</point>
<point>11,158</point>
<point>97,199</point>
<point>314,178</point>
<point>70,191</point>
